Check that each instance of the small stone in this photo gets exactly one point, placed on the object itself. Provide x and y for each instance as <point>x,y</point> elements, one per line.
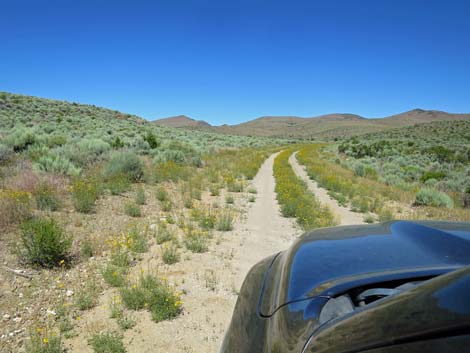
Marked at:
<point>69,293</point>
<point>17,319</point>
<point>6,317</point>
<point>51,312</point>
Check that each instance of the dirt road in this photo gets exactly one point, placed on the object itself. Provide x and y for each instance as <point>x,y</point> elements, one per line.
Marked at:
<point>345,216</point>
<point>210,281</point>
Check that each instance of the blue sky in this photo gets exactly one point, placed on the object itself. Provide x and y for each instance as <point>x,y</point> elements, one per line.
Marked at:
<point>231,61</point>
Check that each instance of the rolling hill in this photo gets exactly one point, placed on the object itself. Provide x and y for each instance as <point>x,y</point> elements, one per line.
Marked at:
<point>321,127</point>
<point>181,121</point>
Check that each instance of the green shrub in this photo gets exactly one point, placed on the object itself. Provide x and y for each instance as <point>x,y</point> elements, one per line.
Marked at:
<point>214,189</point>
<point>163,234</point>
<point>156,295</point>
<point>251,198</point>
<point>114,275</point>
<point>196,243</point>
<point>84,195</point>
<point>229,199</point>
<point>386,215</point>
<point>140,196</point>
<point>225,221</point>
<point>118,184</point>
<point>124,163</point>
<point>46,197</point>
<point>137,241</point>
<point>161,194</point>
<point>44,243</point>
<point>107,342</point>
<point>170,254</point>
<point>87,248</point>
<point>167,206</point>
<point>54,163</point>
<point>437,175</point>
<point>368,218</point>
<point>132,210</point>
<point>87,296</point>
<point>432,197</point>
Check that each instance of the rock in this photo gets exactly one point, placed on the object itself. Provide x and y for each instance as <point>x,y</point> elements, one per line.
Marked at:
<point>6,317</point>
<point>69,293</point>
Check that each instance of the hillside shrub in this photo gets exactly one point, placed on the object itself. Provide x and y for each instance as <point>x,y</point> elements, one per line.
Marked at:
<point>54,163</point>
<point>118,184</point>
<point>44,243</point>
<point>432,197</point>
<point>6,154</point>
<point>124,163</point>
<point>171,171</point>
<point>87,151</point>
<point>84,195</point>
<point>15,206</point>
<point>47,197</point>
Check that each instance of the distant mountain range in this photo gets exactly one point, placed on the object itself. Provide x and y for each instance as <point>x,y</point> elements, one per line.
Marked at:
<point>320,127</point>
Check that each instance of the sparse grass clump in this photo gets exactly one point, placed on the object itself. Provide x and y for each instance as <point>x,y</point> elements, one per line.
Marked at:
<point>140,196</point>
<point>87,296</point>
<point>170,254</point>
<point>47,198</point>
<point>87,248</point>
<point>118,184</point>
<point>15,207</point>
<point>151,293</point>
<point>224,221</point>
<point>229,200</point>
<point>114,275</point>
<point>369,218</point>
<point>44,242</point>
<point>132,210</point>
<point>206,218</point>
<point>196,241</point>
<point>84,195</point>
<point>107,342</point>
<point>432,197</point>
<point>161,194</point>
<point>44,341</point>
<point>163,233</point>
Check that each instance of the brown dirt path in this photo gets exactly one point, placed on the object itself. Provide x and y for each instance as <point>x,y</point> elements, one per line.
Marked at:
<point>210,281</point>
<point>345,216</point>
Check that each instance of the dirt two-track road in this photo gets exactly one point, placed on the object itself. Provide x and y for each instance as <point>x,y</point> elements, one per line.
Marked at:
<point>210,281</point>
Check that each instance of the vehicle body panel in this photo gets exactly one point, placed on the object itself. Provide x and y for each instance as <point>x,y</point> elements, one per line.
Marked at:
<point>325,263</point>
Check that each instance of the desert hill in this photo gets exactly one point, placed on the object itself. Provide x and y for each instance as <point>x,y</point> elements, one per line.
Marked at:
<point>322,127</point>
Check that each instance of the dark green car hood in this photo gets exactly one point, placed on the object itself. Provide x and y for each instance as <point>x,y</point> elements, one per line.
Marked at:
<point>329,261</point>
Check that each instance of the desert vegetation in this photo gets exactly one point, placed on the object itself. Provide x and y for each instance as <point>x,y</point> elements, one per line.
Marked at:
<point>295,198</point>
<point>83,204</point>
<point>358,172</point>
<point>101,209</point>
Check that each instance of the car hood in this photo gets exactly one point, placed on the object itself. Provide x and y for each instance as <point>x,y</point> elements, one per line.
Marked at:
<point>329,261</point>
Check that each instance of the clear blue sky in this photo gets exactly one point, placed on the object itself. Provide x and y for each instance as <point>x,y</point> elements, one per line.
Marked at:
<point>231,61</point>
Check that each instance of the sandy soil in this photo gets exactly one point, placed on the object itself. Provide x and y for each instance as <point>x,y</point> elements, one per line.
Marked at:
<point>210,281</point>
<point>345,216</point>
